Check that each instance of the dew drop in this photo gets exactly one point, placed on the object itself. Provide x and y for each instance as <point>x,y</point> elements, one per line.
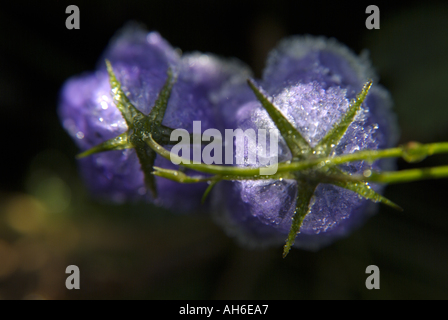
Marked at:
<point>104,105</point>
<point>413,152</point>
<point>367,173</point>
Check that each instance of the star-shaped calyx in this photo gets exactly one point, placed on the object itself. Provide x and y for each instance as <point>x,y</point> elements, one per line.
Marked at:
<point>140,126</point>
<point>308,180</point>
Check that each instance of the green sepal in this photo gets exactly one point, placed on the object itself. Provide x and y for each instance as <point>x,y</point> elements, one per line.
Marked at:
<point>147,157</point>
<point>336,133</point>
<point>207,191</point>
<point>296,143</point>
<point>157,113</point>
<point>122,102</point>
<point>360,187</point>
<point>118,143</point>
<point>305,191</point>
<point>364,190</point>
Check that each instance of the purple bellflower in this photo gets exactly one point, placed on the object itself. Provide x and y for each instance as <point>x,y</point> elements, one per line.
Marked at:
<point>311,81</point>
<point>142,62</point>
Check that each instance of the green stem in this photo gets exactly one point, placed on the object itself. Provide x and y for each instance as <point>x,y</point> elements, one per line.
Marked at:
<point>410,152</point>
<point>404,175</point>
<point>206,168</point>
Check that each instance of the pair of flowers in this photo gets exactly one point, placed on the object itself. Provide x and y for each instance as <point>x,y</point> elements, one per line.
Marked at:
<point>312,90</point>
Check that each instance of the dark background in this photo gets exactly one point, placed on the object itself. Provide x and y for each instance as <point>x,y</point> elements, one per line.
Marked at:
<point>48,221</point>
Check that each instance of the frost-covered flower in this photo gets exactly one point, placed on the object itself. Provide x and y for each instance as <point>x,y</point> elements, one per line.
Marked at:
<point>141,61</point>
<point>311,81</point>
